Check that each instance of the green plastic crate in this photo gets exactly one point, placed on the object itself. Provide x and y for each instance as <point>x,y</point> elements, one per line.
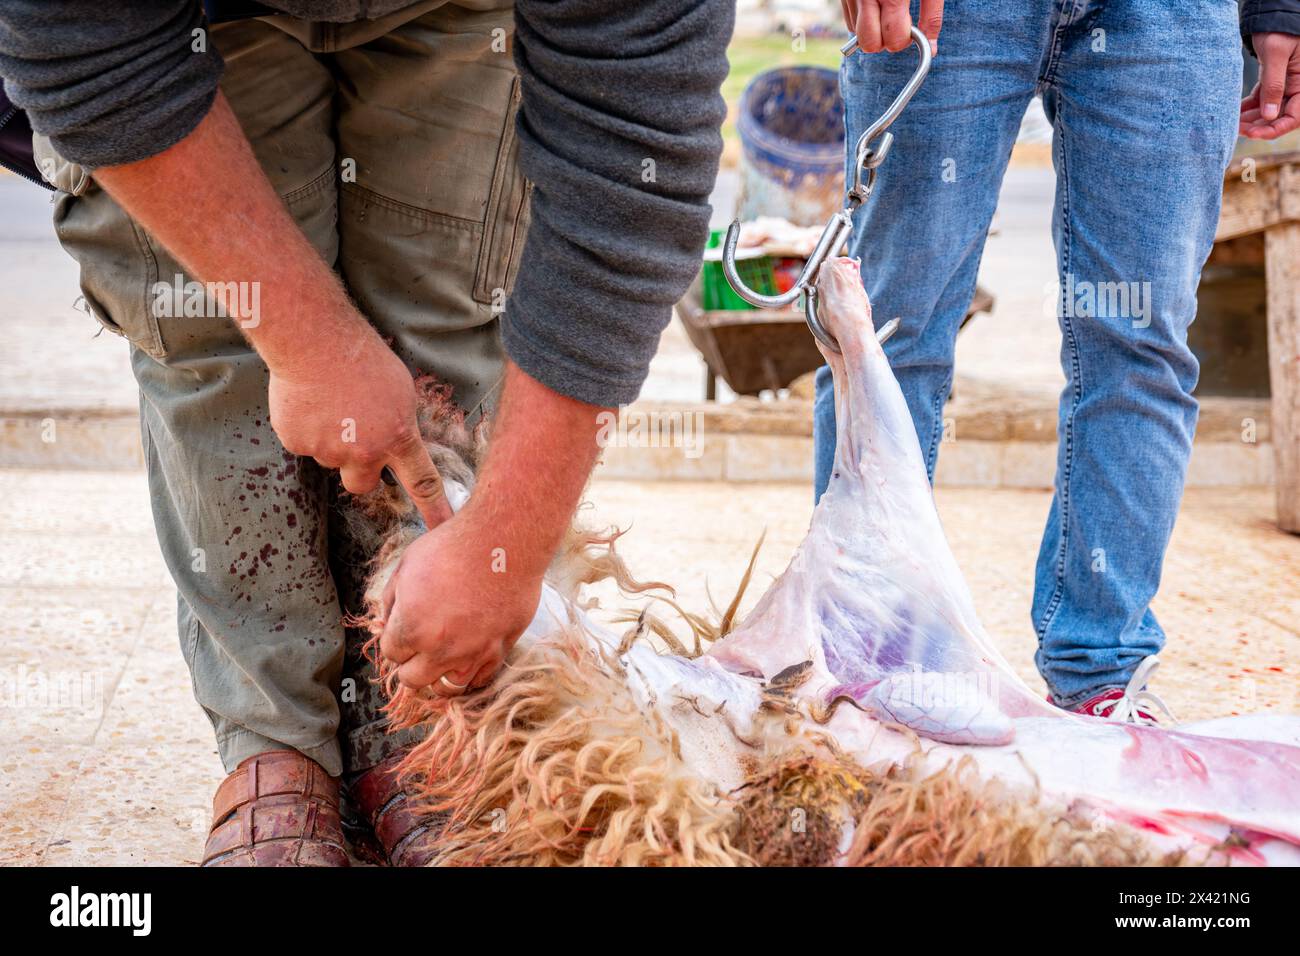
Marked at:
<point>716,291</point>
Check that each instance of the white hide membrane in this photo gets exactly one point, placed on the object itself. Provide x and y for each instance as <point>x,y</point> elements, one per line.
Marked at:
<point>869,645</point>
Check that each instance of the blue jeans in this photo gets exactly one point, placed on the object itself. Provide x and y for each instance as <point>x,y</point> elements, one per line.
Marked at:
<point>1142,96</point>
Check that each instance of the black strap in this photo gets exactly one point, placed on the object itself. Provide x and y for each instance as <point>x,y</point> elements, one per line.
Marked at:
<point>16,141</point>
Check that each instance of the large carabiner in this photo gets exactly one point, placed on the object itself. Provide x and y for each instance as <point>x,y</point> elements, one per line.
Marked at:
<point>867,158</point>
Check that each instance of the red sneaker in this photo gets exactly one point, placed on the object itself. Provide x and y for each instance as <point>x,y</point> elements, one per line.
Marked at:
<point>1129,705</point>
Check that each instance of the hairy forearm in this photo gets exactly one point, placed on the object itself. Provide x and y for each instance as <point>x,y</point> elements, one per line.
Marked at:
<point>208,202</point>
<point>542,451</point>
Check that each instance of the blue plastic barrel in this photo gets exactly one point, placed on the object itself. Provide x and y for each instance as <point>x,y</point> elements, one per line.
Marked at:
<point>791,126</point>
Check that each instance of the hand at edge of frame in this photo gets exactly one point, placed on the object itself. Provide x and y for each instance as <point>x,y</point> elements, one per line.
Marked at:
<point>1273,107</point>
<point>887,24</point>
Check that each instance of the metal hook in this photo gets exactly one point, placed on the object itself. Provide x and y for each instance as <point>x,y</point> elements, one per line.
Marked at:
<point>837,230</point>
<point>820,333</point>
<point>832,238</point>
<point>866,157</point>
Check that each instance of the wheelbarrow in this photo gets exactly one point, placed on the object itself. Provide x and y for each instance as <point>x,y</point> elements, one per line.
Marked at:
<point>753,350</point>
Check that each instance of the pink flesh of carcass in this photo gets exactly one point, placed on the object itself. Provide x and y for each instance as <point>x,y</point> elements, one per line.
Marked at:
<point>875,600</point>
<point>873,608</point>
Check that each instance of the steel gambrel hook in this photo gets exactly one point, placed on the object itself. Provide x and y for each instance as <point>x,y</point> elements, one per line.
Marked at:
<point>868,159</point>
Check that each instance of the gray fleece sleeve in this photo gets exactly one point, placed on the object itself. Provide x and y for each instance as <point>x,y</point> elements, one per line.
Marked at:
<point>108,83</point>
<point>619,133</point>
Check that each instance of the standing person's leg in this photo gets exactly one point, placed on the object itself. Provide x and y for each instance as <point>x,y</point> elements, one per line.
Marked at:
<point>921,234</point>
<point>1143,96</point>
<point>241,523</point>
<point>430,229</point>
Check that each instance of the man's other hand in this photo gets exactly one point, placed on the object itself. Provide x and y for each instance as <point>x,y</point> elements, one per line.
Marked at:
<point>358,416</point>
<point>1273,107</point>
<point>454,607</point>
<point>887,24</point>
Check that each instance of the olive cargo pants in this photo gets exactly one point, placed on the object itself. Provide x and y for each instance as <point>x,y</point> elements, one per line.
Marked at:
<point>396,155</point>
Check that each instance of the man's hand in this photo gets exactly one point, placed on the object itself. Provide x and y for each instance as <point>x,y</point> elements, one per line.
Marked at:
<point>454,607</point>
<point>360,422</point>
<point>464,592</point>
<point>887,24</point>
<point>1273,107</point>
<point>337,392</point>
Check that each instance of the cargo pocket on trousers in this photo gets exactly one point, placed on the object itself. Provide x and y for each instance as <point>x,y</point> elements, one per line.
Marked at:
<point>119,273</point>
<point>506,224</point>
<point>118,269</point>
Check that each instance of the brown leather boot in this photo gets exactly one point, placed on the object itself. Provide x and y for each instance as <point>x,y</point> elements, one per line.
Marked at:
<point>404,834</point>
<point>278,808</point>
